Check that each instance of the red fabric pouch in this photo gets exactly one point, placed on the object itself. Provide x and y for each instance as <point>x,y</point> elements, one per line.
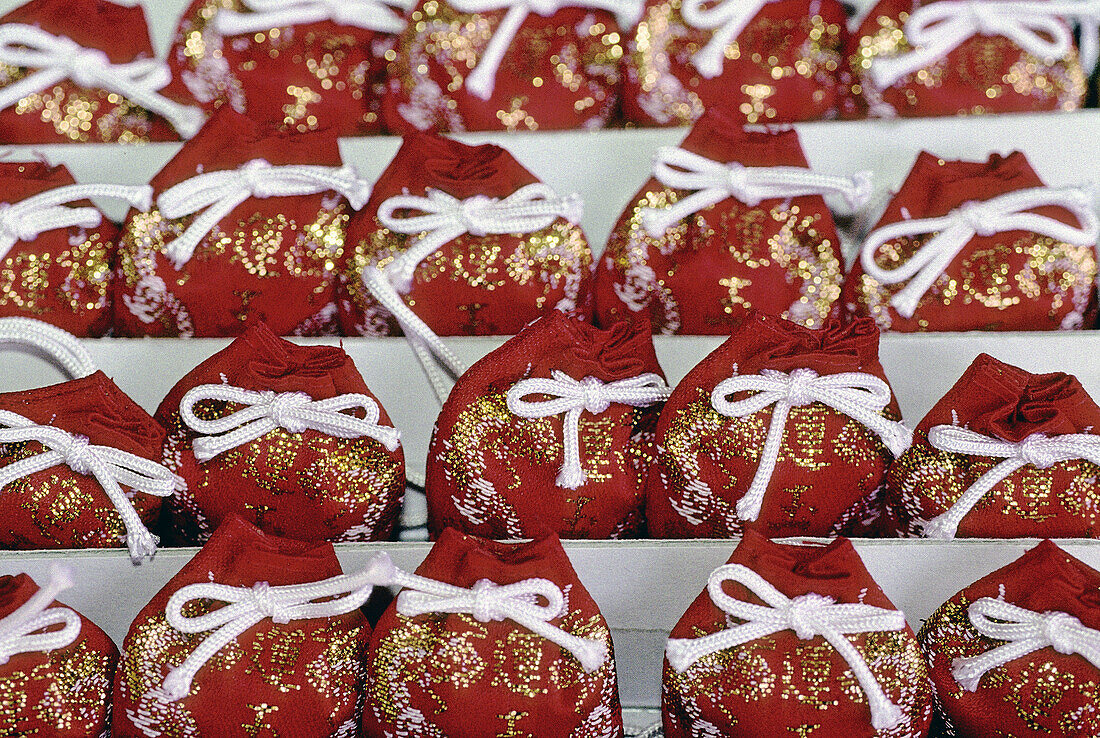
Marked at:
<point>249,223</point>
<point>803,454</point>
<point>59,686</point>
<point>85,71</point>
<point>472,66</point>
<point>461,673</point>
<point>761,61</point>
<point>292,63</point>
<point>552,431</point>
<point>1043,691</point>
<point>283,671</point>
<point>796,679</point>
<point>695,269</point>
<point>260,429</point>
<point>913,58</point>
<point>55,260</point>
<point>1004,454</point>
<point>956,250</point>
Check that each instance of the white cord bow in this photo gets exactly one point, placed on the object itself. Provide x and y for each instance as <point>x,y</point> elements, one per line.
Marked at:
<point>860,396</point>
<point>482,80</point>
<point>19,630</point>
<point>1025,631</point>
<point>1037,450</point>
<point>110,467</point>
<point>518,602</point>
<point>27,219</point>
<point>445,218</point>
<point>247,606</point>
<point>808,616</point>
<point>573,397</point>
<point>372,15</point>
<point>1039,28</point>
<point>57,58</point>
<point>263,412</point>
<point>61,346</point>
<point>218,193</point>
<point>711,182</point>
<point>978,218</point>
<point>728,19</point>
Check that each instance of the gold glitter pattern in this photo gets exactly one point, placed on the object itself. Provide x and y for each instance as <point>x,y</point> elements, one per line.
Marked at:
<point>74,701</point>
<point>75,277</point>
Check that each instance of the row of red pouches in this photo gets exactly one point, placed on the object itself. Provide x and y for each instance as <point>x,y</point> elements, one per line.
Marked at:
<point>263,633</point>
<point>782,429</point>
<point>85,70</point>
<point>287,435</point>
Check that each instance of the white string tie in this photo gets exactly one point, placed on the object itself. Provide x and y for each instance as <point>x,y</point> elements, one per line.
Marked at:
<point>1025,631</point>
<point>573,397</point>
<point>57,58</point>
<point>711,182</point>
<point>808,615</point>
<point>1039,28</point>
<point>19,631</point>
<point>247,606</point>
<point>1038,450</point>
<point>216,194</point>
<point>489,602</point>
<point>371,15</point>
<point>482,80</point>
<point>110,467</point>
<point>263,412</point>
<point>860,396</point>
<point>59,345</point>
<point>728,19</point>
<point>977,218</point>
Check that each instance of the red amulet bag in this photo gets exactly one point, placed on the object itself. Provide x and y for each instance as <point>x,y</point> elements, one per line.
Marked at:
<point>984,73</point>
<point>558,71</point>
<point>995,413</point>
<point>700,274</point>
<point>498,474</point>
<point>471,285</point>
<point>56,108</point>
<point>783,684</point>
<point>454,675</point>
<point>302,77</point>
<point>304,483</point>
<point>60,507</point>
<point>300,678</point>
<point>273,258</point>
<point>769,62</point>
<point>63,692</point>
<point>1043,692</point>
<point>1006,280</point>
<point>828,466</point>
<point>62,274</point>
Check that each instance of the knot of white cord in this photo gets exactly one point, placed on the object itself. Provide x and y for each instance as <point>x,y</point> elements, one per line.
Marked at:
<point>728,19</point>
<point>572,397</point>
<point>710,182</point>
<point>482,80</point>
<point>488,601</point>
<point>371,15</point>
<point>110,467</point>
<point>61,346</point>
<point>263,412</point>
<point>216,194</point>
<point>860,396</point>
<point>1039,28</point>
<point>56,58</point>
<point>809,615</point>
<point>1023,632</point>
<point>1037,450</point>
<point>19,631</point>
<point>953,232</point>
<point>27,219</point>
<point>247,606</point>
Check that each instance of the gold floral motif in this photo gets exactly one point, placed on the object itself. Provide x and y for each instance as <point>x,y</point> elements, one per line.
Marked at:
<point>76,696</point>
